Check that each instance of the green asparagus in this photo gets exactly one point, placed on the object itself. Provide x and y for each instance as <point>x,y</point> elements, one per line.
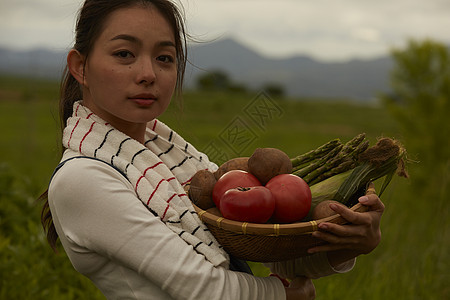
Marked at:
<point>316,153</point>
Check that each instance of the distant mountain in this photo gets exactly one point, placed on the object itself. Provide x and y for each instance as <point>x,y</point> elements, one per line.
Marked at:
<point>300,76</point>
<point>35,63</point>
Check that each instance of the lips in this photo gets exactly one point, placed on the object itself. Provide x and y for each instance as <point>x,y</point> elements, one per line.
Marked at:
<point>143,99</point>
<point>144,96</point>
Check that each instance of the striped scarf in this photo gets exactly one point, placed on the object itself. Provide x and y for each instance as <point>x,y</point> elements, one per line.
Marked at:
<point>158,170</point>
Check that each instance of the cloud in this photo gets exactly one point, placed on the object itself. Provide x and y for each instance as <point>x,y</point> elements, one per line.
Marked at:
<point>366,34</point>
<point>325,29</point>
<point>39,23</point>
<point>329,30</point>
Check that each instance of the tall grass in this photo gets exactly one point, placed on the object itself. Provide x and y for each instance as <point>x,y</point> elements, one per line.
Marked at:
<point>28,268</point>
<point>412,261</point>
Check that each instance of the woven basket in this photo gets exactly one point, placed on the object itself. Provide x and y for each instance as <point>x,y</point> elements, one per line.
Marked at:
<point>265,242</point>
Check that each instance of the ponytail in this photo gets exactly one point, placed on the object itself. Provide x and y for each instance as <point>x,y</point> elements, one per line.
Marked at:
<point>47,221</point>
<point>70,92</point>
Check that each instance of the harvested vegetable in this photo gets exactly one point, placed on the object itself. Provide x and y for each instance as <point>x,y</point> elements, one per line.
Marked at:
<point>201,188</point>
<point>266,163</point>
<point>301,160</point>
<point>386,158</point>
<point>231,180</point>
<point>238,163</point>
<point>292,198</point>
<point>248,204</point>
<point>343,171</point>
<point>327,189</point>
<point>323,210</point>
<point>338,159</point>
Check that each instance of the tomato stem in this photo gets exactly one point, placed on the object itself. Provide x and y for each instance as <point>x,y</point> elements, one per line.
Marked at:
<point>243,189</point>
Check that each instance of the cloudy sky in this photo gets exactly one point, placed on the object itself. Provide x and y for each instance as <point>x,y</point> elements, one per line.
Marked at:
<point>325,29</point>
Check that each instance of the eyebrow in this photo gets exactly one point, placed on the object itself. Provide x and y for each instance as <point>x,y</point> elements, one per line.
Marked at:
<point>135,40</point>
<point>126,37</point>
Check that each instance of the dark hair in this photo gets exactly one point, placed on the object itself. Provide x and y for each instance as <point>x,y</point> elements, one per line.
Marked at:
<point>89,26</point>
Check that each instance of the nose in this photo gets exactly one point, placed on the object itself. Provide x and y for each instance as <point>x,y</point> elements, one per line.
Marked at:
<point>146,73</point>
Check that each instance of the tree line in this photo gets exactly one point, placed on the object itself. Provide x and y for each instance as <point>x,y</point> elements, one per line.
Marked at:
<point>218,80</point>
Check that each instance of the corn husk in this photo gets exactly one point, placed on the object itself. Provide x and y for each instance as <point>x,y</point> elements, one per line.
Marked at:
<point>328,188</point>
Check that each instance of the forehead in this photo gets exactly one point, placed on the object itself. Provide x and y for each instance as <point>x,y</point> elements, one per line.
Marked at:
<point>144,22</point>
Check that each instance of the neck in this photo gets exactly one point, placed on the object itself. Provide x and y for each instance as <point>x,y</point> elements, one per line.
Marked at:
<point>135,130</point>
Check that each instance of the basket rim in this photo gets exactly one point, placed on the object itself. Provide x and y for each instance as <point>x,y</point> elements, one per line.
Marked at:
<point>212,217</point>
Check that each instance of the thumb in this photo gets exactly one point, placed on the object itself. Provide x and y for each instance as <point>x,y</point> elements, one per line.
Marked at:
<point>371,199</point>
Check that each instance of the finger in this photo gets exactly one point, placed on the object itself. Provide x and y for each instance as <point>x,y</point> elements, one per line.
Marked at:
<point>371,198</point>
<point>341,230</point>
<point>372,201</point>
<point>348,214</point>
<point>346,236</point>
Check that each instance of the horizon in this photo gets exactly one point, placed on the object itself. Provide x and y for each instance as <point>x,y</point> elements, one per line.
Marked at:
<point>194,45</point>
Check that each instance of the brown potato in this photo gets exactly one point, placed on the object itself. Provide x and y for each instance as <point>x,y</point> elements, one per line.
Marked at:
<point>238,163</point>
<point>266,163</point>
<point>323,210</point>
<point>201,187</point>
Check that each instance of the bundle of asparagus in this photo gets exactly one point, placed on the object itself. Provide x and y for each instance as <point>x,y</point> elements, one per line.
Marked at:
<point>337,171</point>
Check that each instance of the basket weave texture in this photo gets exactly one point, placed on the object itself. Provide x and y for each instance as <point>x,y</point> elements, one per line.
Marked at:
<point>265,242</point>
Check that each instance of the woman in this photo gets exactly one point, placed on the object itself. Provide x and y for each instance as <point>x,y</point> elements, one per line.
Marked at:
<point>117,201</point>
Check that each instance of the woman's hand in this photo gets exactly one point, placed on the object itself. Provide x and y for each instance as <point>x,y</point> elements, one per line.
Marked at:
<point>301,288</point>
<point>361,236</point>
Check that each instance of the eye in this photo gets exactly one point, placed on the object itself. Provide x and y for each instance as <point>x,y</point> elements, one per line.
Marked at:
<point>124,54</point>
<point>166,58</point>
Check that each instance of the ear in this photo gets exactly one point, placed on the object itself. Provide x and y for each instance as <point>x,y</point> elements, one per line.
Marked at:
<point>76,64</point>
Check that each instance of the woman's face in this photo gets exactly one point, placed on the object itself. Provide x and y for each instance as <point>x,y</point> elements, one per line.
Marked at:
<point>131,72</point>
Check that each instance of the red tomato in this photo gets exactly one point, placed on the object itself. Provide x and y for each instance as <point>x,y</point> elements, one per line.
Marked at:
<point>230,180</point>
<point>292,197</point>
<point>252,204</point>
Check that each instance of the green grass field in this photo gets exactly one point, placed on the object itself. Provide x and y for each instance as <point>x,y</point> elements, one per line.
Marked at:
<point>412,261</point>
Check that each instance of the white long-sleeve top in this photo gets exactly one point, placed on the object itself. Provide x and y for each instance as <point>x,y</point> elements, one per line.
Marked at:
<point>128,253</point>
